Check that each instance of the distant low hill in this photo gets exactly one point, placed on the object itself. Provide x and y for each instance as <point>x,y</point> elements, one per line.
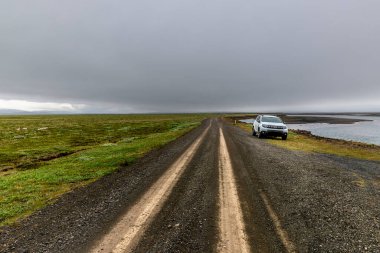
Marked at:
<point>20,112</point>
<point>11,112</point>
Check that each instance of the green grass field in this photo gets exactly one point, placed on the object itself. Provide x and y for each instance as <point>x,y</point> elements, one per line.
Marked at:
<point>43,157</point>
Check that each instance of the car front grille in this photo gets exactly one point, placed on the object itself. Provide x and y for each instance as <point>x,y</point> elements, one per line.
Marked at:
<point>276,127</point>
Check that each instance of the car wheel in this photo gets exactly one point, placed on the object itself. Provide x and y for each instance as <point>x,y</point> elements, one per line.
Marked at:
<point>253,132</point>
<point>284,137</point>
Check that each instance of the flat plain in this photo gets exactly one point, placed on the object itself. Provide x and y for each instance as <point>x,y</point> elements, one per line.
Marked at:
<point>42,157</point>
<point>215,188</point>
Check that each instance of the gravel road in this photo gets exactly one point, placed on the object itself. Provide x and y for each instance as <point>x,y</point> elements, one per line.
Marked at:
<point>290,201</point>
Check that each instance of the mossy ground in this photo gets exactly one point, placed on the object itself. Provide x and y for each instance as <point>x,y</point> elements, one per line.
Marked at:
<point>43,157</point>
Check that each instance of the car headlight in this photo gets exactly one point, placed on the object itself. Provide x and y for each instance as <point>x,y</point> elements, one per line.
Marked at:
<point>266,126</point>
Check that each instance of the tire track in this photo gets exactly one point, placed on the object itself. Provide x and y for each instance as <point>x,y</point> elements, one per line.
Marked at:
<point>125,235</point>
<point>188,221</point>
<point>257,199</point>
<point>232,237</point>
<point>281,232</point>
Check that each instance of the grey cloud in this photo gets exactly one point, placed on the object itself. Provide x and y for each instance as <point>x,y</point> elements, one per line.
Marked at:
<point>193,55</point>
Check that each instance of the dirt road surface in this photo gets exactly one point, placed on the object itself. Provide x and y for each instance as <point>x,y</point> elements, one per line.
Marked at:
<point>216,189</point>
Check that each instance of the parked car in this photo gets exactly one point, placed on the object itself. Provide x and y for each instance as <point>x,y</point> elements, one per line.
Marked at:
<point>269,125</point>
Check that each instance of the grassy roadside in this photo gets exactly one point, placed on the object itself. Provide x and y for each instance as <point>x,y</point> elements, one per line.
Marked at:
<point>114,141</point>
<point>309,143</point>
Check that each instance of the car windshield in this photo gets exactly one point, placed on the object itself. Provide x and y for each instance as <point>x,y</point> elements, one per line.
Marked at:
<point>271,119</point>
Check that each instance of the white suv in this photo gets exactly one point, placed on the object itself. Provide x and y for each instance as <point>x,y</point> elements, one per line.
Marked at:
<point>269,125</point>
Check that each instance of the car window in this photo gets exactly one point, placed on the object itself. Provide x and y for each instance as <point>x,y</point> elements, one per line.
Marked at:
<point>272,119</point>
<point>258,119</point>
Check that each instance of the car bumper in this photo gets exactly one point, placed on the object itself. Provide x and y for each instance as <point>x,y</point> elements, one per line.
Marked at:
<point>274,132</point>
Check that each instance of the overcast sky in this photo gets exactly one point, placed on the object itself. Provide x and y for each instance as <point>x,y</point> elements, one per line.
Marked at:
<point>190,55</point>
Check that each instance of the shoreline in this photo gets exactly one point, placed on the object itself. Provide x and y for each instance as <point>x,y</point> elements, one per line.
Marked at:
<point>334,140</point>
<point>290,119</point>
<point>309,134</point>
<point>303,140</point>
